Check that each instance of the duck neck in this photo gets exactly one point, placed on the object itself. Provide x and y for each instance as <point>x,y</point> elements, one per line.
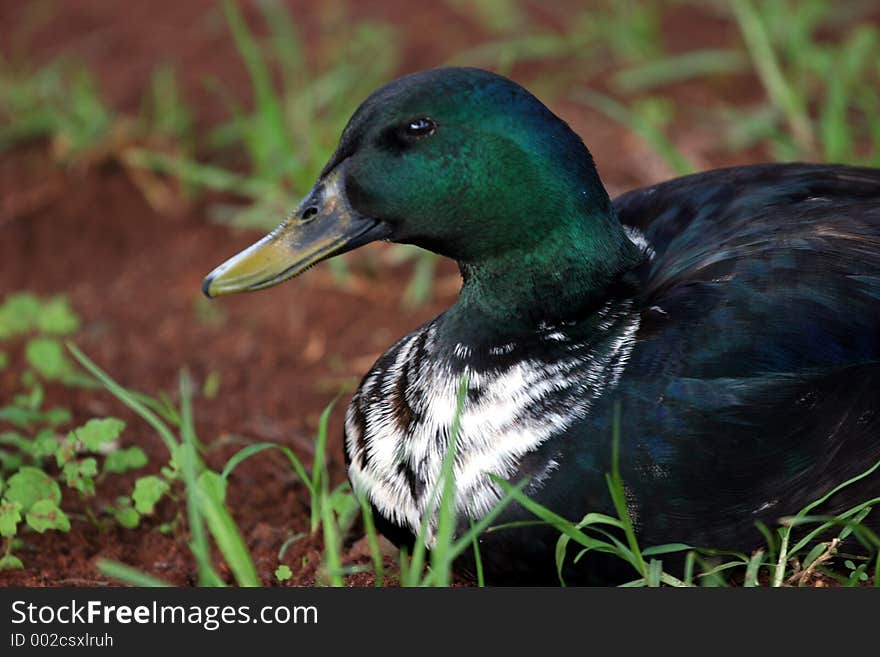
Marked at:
<point>562,278</point>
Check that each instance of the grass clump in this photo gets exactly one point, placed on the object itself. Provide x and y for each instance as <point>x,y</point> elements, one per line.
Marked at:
<point>37,458</point>
<point>207,515</point>
<point>61,102</point>
<point>205,490</point>
<point>781,562</point>
<point>814,64</point>
<point>822,95</point>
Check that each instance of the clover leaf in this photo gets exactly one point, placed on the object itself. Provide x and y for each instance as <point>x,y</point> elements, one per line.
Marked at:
<point>45,514</point>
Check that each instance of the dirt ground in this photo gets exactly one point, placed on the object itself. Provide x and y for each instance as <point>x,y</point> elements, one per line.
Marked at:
<point>134,276</point>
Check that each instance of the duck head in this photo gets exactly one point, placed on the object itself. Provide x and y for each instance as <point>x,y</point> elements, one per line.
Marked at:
<point>460,161</point>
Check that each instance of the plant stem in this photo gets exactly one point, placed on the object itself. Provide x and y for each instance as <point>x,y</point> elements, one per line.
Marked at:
<point>779,573</point>
<point>771,75</point>
<point>8,549</point>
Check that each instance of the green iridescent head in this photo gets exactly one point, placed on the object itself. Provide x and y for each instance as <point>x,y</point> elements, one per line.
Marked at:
<point>460,161</point>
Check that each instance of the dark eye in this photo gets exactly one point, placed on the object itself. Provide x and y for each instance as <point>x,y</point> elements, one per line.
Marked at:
<point>418,128</point>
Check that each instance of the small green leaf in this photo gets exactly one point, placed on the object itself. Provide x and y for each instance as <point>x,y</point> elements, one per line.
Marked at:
<point>97,432</point>
<point>57,415</point>
<point>213,484</point>
<point>18,314</point>
<point>47,357</point>
<point>19,417</point>
<point>16,440</point>
<point>10,516</point>
<point>4,360</point>
<point>814,554</point>
<point>123,460</point>
<point>45,514</point>
<point>78,475</point>
<point>10,462</point>
<point>345,505</point>
<point>283,573</point>
<point>57,317</point>
<point>127,516</point>
<point>30,485</point>
<point>32,399</point>
<point>10,561</point>
<point>178,456</point>
<point>64,452</point>
<point>147,493</point>
<point>45,443</point>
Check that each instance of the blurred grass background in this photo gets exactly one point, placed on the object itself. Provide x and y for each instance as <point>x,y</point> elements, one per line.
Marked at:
<point>689,85</point>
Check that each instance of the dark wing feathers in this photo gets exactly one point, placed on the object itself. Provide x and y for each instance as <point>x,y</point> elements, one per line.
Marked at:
<point>766,269</point>
<point>754,386</point>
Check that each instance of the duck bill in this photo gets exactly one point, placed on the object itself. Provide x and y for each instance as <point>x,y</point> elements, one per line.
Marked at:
<point>323,225</point>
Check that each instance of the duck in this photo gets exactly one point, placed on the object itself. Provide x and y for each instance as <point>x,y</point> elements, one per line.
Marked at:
<point>730,319</point>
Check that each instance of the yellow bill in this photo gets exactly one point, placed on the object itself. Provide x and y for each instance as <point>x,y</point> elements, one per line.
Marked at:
<point>322,226</point>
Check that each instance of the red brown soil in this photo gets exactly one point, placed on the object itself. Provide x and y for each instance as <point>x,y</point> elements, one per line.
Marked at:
<point>134,276</point>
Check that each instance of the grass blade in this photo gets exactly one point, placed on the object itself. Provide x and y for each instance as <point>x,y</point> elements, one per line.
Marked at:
<point>332,556</point>
<point>210,495</point>
<point>190,467</point>
<point>200,175</point>
<point>267,139</point>
<point>678,68</point>
<point>764,58</point>
<point>319,467</point>
<point>753,568</point>
<point>251,450</point>
<point>373,542</point>
<point>129,575</point>
<point>618,495</point>
<point>478,559</point>
<point>126,398</point>
<point>441,557</point>
<point>646,130</point>
<point>655,570</point>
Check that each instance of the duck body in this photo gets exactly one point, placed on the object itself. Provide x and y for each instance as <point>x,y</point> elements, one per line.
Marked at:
<point>743,350</point>
<point>732,316</point>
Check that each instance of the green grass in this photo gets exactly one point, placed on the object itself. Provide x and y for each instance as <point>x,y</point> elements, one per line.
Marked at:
<point>63,105</point>
<point>815,64</point>
<point>61,102</point>
<point>824,94</point>
<point>205,489</point>
<point>783,561</point>
<point>577,43</point>
<point>814,60</point>
<point>37,459</point>
<point>645,121</point>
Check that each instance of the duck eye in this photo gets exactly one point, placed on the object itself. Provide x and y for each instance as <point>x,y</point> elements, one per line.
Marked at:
<point>418,128</point>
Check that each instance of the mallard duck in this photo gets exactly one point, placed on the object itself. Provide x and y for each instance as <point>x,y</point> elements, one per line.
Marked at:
<point>733,316</point>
